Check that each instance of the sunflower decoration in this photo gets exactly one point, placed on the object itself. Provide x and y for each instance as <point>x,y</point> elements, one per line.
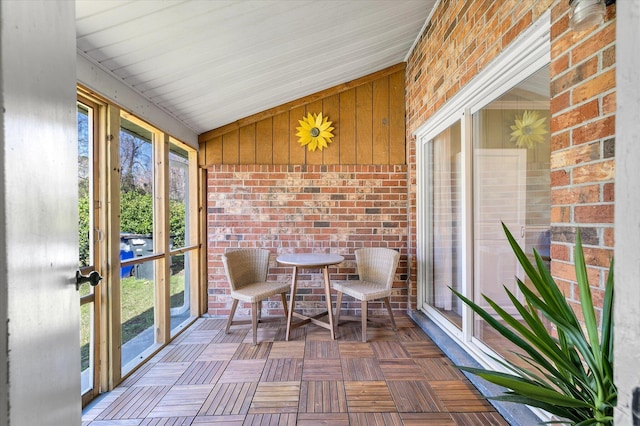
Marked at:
<point>528,130</point>
<point>314,132</point>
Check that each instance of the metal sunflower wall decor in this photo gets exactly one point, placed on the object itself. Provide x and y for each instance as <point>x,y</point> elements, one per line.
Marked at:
<point>528,130</point>
<point>314,132</point>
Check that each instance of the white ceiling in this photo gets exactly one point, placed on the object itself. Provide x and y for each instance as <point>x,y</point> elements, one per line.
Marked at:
<point>211,62</point>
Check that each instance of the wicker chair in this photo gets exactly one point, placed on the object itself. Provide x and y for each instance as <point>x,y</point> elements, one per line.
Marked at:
<point>247,274</point>
<point>376,271</point>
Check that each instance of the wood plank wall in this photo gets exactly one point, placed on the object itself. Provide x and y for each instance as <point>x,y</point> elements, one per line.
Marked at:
<point>368,115</point>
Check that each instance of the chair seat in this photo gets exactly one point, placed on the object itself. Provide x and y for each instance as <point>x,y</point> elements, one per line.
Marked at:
<point>255,292</point>
<point>361,290</point>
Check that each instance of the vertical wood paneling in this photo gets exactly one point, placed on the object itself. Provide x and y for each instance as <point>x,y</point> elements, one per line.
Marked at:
<point>248,144</point>
<point>368,119</point>
<point>380,147</point>
<point>281,138</point>
<point>297,154</point>
<point>314,157</point>
<point>264,141</point>
<point>397,151</point>
<point>364,124</point>
<point>347,127</point>
<point>230,148</point>
<point>214,151</point>
<point>331,109</point>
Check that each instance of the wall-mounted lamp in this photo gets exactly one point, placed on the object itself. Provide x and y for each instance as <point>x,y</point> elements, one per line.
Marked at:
<point>584,14</point>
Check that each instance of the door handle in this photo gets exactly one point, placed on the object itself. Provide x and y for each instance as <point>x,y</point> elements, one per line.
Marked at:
<point>93,278</point>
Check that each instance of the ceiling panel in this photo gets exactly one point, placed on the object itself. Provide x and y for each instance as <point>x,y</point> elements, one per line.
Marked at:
<point>211,62</point>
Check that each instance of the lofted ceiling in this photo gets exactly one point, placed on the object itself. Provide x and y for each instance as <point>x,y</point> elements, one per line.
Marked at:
<point>211,62</point>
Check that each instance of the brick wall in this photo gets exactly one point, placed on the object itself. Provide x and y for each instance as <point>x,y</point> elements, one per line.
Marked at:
<point>305,208</point>
<point>462,38</point>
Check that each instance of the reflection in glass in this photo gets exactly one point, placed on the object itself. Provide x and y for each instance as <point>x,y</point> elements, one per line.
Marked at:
<point>444,164</point>
<point>511,186</point>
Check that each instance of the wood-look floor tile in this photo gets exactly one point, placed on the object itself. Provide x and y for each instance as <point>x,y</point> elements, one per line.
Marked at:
<point>355,350</point>
<point>322,397</point>
<point>371,397</point>
<point>135,403</point>
<point>360,369</point>
<point>388,350</point>
<point>479,419</point>
<point>323,419</point>
<point>237,334</point>
<point>202,373</point>
<point>181,401</point>
<point>102,404</point>
<point>321,369</point>
<point>296,335</point>
<point>237,420</point>
<point>411,335</point>
<point>421,419</point>
<point>397,377</point>
<point>163,373</point>
<point>315,332</point>
<point>228,399</point>
<point>438,369</point>
<point>322,349</point>
<point>249,351</point>
<point>460,397</point>
<point>210,324</point>
<point>167,421</point>
<point>242,371</point>
<point>400,369</point>
<point>264,334</point>
<point>218,352</point>
<point>375,419</point>
<point>275,397</point>
<point>270,419</point>
<point>292,349</point>
<point>202,337</point>
<point>136,375</point>
<point>282,370</point>
<point>425,349</point>
<point>183,353</point>
<point>415,397</point>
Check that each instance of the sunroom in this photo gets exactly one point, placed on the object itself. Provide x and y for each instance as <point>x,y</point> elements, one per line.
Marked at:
<point>447,119</point>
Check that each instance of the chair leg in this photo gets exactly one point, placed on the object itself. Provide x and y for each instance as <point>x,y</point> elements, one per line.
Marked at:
<point>388,305</point>
<point>259,310</point>
<point>284,304</point>
<point>254,322</point>
<point>364,320</point>
<point>234,305</point>
<point>338,308</point>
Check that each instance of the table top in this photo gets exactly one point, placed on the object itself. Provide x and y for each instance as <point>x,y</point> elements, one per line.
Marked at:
<point>310,260</point>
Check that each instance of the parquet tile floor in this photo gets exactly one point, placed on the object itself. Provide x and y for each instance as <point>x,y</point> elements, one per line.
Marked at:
<point>206,377</point>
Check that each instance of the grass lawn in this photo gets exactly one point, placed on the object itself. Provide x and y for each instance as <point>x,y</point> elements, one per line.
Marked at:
<point>136,312</point>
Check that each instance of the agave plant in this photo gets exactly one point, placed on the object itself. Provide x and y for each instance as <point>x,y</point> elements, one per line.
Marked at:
<point>571,375</point>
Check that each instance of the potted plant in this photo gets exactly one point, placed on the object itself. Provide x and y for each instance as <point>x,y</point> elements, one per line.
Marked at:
<point>569,374</point>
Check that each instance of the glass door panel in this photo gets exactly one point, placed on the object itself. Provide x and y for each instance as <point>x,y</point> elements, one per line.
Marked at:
<point>88,253</point>
<point>444,165</point>
<point>511,186</point>
<point>137,255</point>
<point>179,220</point>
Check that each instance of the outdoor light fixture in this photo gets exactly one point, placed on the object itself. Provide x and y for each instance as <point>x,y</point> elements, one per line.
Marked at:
<point>584,14</point>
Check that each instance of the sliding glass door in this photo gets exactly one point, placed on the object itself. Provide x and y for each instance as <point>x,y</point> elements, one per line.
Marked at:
<point>490,166</point>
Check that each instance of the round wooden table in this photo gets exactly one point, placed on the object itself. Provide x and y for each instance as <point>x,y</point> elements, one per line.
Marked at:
<point>305,261</point>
